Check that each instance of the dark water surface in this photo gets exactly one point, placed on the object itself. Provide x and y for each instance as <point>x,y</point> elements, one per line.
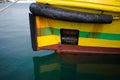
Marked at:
<point>16,55</point>
<point>19,62</point>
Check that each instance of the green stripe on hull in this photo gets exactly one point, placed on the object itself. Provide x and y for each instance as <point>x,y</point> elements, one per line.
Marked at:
<point>99,35</point>
<point>55,31</point>
<point>48,31</point>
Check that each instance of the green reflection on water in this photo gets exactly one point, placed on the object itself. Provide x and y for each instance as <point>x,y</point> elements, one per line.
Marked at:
<point>74,67</point>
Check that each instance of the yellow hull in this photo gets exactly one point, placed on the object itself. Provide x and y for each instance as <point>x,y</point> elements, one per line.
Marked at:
<point>106,5</point>
<point>48,31</point>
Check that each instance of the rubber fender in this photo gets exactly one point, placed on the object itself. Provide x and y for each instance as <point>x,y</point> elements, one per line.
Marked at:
<point>69,15</point>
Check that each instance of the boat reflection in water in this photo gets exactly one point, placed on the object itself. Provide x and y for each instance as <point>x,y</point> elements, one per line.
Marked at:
<point>70,66</point>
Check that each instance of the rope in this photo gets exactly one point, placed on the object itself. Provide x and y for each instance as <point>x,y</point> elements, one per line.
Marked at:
<point>6,7</point>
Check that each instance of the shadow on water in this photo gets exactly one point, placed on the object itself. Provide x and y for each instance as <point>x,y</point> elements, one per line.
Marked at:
<point>65,66</point>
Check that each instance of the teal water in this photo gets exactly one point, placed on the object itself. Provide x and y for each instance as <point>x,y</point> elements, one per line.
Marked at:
<point>19,62</point>
<point>16,54</point>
